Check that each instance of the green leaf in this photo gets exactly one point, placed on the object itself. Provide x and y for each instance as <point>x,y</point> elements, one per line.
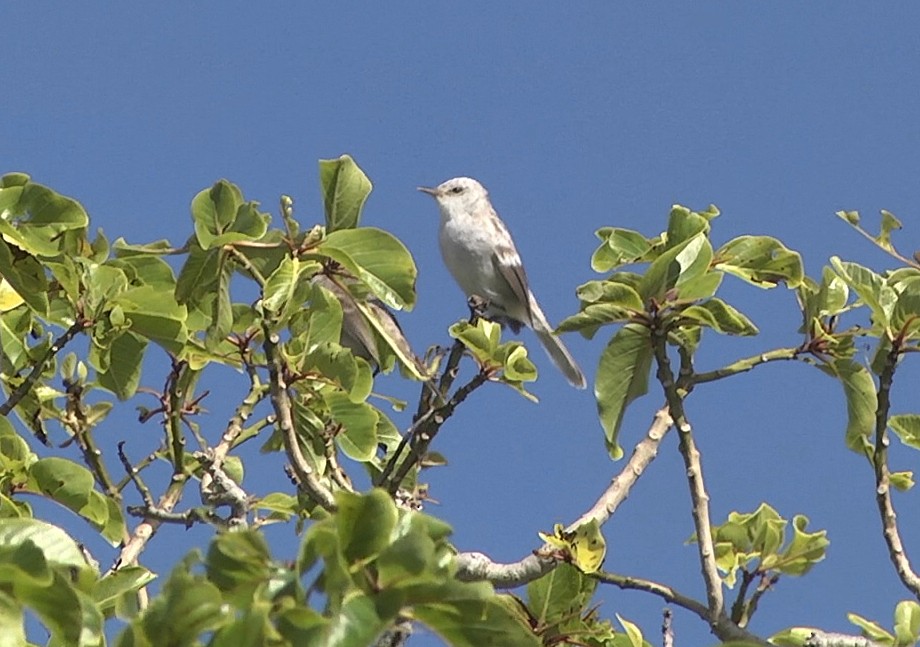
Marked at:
<point>154,314</point>
<point>358,438</point>
<point>684,263</point>
<point>871,629</point>
<point>12,629</point>
<point>26,276</point>
<point>280,286</point>
<point>238,563</point>
<point>352,374</point>
<point>805,550</point>
<point>72,486</point>
<point>902,481</point>
<point>618,247</point>
<point>377,259</point>
<point>889,223</point>
<point>126,581</point>
<point>907,623</point>
<point>721,317</point>
<point>214,211</point>
<point>603,302</point>
<point>345,189</point>
<point>684,224</point>
<point>851,217</point>
<point>386,326</point>
<point>760,260</point>
<point>871,288</point>
<point>469,615</point>
<point>221,310</point>
<point>907,428</point>
<point>198,275</point>
<point>622,376</point>
<point>632,631</point>
<point>186,607</point>
<point>364,524</point>
<point>55,546</point>
<point>482,340</point>
<point>559,593</point>
<point>859,389</point>
<point>123,374</point>
<point>906,315</point>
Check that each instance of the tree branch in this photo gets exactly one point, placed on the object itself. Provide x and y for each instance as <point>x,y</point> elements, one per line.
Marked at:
<point>26,385</point>
<point>477,566</point>
<point>281,402</point>
<point>825,639</point>
<point>721,626</point>
<point>746,364</point>
<point>889,517</point>
<point>698,495</point>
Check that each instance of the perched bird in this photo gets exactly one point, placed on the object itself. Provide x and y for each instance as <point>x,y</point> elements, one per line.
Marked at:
<point>479,252</point>
<point>359,336</point>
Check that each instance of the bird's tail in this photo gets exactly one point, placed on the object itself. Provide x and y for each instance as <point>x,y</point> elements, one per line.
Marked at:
<point>554,347</point>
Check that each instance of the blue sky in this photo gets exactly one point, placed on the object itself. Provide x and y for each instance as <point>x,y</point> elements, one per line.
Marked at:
<point>575,116</point>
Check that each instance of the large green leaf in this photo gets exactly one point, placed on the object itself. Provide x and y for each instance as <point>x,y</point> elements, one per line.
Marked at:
<point>684,224</point>
<point>684,263</point>
<point>760,260</point>
<point>559,593</point>
<point>123,372</point>
<point>364,524</point>
<point>358,438</point>
<point>26,276</point>
<point>378,260</point>
<point>72,486</point>
<point>154,314</point>
<point>345,189</point>
<point>622,376</point>
<point>859,389</point>
<point>618,247</point>
<point>603,302</point>
<point>721,317</point>
<point>214,210</point>
<point>33,218</point>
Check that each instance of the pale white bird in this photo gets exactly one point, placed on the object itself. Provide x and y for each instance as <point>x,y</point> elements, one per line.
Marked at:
<point>480,254</point>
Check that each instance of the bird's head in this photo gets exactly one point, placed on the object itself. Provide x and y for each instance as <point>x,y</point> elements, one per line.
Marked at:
<point>457,194</point>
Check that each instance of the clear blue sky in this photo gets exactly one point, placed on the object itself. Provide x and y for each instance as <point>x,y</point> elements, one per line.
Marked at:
<point>576,116</point>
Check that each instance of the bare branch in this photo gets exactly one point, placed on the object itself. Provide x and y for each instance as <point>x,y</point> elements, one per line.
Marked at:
<point>477,566</point>
<point>896,551</point>
<point>721,626</point>
<point>824,639</point>
<point>698,495</point>
<point>667,633</point>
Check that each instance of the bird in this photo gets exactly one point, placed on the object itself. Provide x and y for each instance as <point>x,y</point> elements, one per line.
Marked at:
<point>480,254</point>
<point>357,332</point>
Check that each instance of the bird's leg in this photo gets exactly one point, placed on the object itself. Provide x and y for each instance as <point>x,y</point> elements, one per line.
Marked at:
<point>478,306</point>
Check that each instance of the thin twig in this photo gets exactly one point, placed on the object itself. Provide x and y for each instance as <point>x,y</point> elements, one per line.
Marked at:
<point>667,633</point>
<point>75,420</point>
<point>721,626</point>
<point>426,432</point>
<point>57,345</point>
<point>133,475</point>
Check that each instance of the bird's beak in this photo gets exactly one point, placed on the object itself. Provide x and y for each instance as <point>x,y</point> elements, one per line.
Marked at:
<point>432,192</point>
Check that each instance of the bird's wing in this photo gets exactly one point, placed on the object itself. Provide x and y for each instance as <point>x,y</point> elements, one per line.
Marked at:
<point>509,267</point>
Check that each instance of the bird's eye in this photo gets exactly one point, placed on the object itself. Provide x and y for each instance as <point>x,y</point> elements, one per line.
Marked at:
<point>456,190</point>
